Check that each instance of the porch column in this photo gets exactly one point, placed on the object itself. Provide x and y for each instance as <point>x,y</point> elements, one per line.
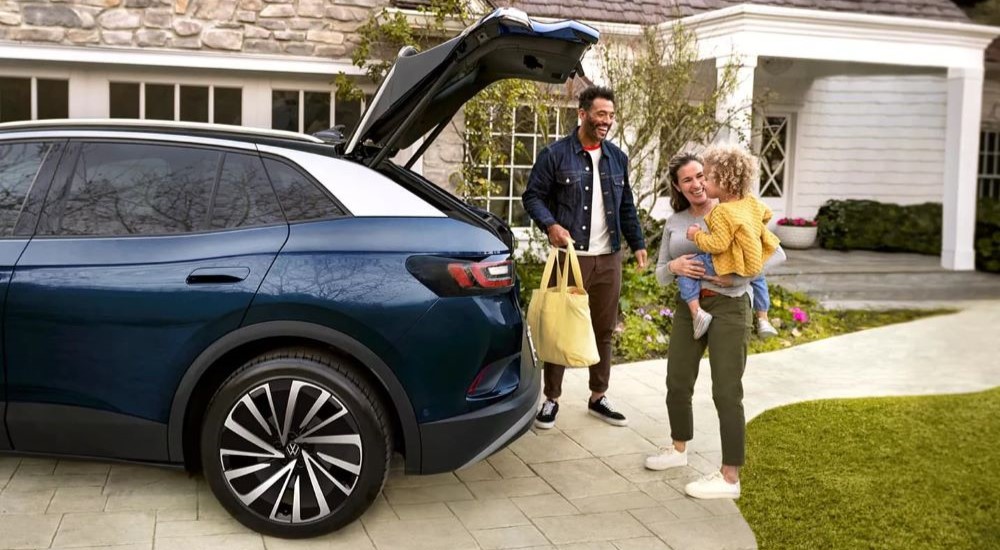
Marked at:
<point>736,110</point>
<point>965,95</point>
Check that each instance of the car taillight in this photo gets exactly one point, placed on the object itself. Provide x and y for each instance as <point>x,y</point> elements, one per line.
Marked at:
<point>457,277</point>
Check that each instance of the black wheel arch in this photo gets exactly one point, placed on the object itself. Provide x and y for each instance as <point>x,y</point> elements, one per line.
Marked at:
<point>228,353</point>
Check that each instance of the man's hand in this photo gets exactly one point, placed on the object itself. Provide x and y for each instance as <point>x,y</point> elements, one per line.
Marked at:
<point>558,235</point>
<point>693,230</point>
<point>640,257</point>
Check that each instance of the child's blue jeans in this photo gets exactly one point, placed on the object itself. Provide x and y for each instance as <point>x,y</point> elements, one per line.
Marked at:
<point>691,288</point>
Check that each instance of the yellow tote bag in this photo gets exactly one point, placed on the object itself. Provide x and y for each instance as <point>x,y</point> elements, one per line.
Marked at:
<point>559,317</point>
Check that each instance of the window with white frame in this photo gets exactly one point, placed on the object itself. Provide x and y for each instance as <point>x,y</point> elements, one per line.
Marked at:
<point>528,135</point>
<point>23,98</point>
<point>189,103</point>
<point>774,155</point>
<point>313,111</point>
<point>989,164</point>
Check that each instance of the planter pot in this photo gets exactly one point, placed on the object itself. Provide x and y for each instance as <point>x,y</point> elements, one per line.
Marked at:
<point>794,236</point>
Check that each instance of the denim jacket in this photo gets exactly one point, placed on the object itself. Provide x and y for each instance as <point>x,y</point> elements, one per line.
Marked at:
<point>559,192</point>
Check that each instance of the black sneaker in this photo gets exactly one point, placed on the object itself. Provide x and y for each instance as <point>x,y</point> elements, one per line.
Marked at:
<point>602,409</point>
<point>546,417</point>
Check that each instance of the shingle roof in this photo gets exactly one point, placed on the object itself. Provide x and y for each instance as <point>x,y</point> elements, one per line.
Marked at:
<point>657,11</point>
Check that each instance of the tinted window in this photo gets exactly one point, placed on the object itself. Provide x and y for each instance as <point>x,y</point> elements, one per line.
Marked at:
<point>19,165</point>
<point>244,196</point>
<point>299,196</point>
<point>132,189</point>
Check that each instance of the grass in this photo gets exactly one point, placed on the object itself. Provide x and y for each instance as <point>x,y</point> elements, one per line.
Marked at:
<point>906,472</point>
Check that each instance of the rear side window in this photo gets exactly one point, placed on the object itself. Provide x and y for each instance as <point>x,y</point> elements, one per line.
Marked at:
<point>300,198</point>
<point>244,197</point>
<point>136,189</point>
<point>19,166</point>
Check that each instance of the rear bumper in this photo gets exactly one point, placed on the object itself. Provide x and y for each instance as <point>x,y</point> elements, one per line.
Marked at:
<point>450,444</point>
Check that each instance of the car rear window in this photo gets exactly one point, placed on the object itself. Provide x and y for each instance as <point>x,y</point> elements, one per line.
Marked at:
<point>300,198</point>
<point>244,197</point>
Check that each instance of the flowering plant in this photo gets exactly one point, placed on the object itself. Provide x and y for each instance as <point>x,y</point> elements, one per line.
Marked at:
<point>798,222</point>
<point>799,315</point>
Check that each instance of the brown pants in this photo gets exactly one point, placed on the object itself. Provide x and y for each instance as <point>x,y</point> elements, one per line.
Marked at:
<point>602,279</point>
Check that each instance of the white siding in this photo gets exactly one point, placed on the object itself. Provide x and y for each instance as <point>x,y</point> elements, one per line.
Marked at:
<point>866,132</point>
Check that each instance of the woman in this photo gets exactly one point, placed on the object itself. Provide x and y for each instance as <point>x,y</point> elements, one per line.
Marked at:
<point>728,300</point>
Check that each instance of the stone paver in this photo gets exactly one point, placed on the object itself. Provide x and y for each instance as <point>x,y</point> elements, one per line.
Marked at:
<point>580,486</point>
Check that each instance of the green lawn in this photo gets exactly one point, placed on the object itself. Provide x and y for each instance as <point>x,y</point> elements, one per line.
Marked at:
<point>904,472</point>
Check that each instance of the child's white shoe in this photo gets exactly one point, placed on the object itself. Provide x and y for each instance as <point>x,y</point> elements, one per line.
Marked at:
<point>765,329</point>
<point>701,321</point>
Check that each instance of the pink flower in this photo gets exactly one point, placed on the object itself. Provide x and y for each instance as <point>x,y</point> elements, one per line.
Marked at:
<point>647,317</point>
<point>799,316</point>
<point>665,312</point>
<point>649,338</point>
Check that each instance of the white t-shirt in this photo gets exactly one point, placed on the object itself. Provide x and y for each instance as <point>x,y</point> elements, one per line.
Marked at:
<point>600,238</point>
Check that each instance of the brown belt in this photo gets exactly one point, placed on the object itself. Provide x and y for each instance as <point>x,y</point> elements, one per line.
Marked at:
<point>706,293</point>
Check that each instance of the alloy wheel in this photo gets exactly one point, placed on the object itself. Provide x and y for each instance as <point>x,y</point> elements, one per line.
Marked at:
<point>290,451</point>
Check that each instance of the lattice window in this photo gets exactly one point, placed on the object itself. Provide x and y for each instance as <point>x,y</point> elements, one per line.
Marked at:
<point>523,142</point>
<point>774,156</point>
<point>989,164</point>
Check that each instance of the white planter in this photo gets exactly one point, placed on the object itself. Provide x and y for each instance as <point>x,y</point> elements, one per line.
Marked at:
<point>794,236</point>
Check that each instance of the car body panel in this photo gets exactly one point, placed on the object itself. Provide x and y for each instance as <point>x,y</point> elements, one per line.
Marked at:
<point>105,323</point>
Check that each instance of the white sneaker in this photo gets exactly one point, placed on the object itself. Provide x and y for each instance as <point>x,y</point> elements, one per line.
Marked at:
<point>714,485</point>
<point>669,457</point>
<point>765,329</point>
<point>701,321</point>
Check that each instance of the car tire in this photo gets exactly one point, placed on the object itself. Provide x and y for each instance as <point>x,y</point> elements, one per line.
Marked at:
<point>303,474</point>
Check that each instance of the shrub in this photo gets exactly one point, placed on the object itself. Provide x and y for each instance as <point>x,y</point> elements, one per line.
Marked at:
<point>988,236</point>
<point>871,225</point>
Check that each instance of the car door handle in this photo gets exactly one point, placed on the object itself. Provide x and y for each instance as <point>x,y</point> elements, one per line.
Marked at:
<point>218,275</point>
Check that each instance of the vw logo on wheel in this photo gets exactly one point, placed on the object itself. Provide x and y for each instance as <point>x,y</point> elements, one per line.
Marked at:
<point>292,449</point>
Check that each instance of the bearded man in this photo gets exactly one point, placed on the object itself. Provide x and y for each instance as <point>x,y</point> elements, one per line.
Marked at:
<point>579,190</point>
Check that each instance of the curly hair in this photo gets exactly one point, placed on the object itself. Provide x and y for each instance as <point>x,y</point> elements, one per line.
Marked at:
<point>678,201</point>
<point>732,167</point>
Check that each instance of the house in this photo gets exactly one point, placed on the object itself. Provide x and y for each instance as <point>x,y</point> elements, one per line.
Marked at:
<point>870,99</point>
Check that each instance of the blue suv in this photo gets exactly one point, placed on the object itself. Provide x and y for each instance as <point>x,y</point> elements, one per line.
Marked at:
<point>277,311</point>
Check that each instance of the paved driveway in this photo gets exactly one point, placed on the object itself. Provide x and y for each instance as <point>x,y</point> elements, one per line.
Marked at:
<point>580,486</point>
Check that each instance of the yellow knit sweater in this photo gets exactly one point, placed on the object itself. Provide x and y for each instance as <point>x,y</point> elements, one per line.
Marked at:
<point>738,238</point>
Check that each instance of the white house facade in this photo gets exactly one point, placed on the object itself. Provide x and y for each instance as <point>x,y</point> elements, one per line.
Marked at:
<point>879,100</point>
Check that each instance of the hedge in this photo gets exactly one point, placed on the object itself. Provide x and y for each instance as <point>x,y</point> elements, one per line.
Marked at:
<point>871,225</point>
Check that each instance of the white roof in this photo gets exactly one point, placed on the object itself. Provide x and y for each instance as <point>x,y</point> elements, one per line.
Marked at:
<point>135,124</point>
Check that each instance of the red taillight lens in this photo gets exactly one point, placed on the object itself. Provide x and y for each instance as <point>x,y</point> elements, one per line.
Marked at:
<point>483,274</point>
<point>456,277</point>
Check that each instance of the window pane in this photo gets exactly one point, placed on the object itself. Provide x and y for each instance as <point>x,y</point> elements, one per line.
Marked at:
<point>53,98</point>
<point>568,119</point>
<point>500,177</point>
<point>285,110</point>
<point>19,164</point>
<point>524,120</point>
<point>519,218</point>
<point>500,208</point>
<point>194,103</point>
<point>124,100</point>
<point>347,113</point>
<point>524,153</point>
<point>15,99</point>
<point>229,106</point>
<point>244,197</point>
<point>299,197</point>
<point>160,101</point>
<point>132,189</point>
<point>521,180</point>
<point>317,114</point>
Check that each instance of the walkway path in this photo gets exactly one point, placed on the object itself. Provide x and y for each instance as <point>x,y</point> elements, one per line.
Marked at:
<point>578,487</point>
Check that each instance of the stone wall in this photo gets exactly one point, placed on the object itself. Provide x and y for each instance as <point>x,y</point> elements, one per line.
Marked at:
<point>322,28</point>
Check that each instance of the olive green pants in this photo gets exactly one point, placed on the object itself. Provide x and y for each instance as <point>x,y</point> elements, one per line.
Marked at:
<point>727,339</point>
